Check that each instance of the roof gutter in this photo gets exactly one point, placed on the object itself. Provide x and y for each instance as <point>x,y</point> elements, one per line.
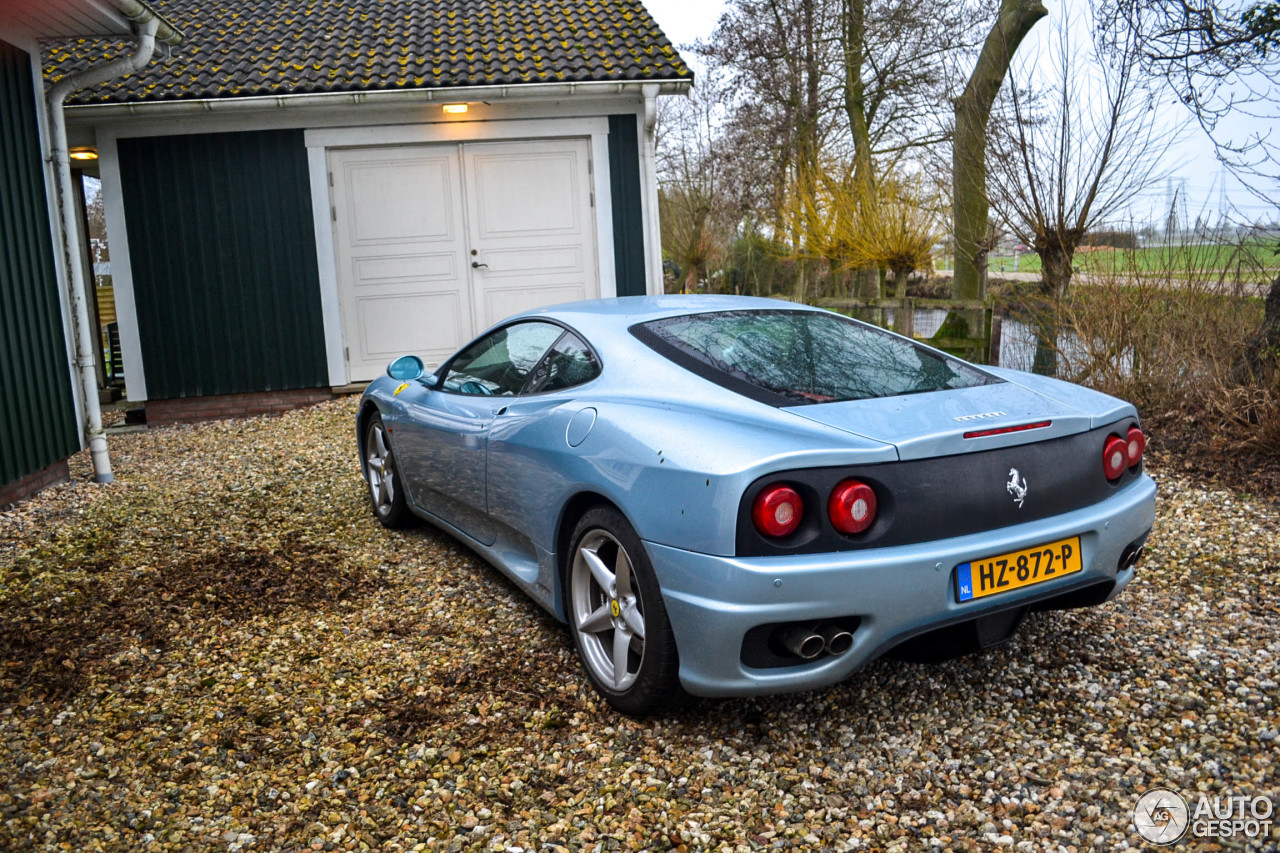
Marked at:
<point>86,113</point>
<point>149,27</point>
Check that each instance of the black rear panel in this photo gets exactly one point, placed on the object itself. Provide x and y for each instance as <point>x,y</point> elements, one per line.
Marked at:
<point>930,499</point>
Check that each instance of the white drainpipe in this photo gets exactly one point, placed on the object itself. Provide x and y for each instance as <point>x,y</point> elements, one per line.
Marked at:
<point>649,169</point>
<point>86,339</point>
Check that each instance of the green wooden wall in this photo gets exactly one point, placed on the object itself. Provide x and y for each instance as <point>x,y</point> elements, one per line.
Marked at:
<point>628,216</point>
<point>37,409</point>
<point>223,255</point>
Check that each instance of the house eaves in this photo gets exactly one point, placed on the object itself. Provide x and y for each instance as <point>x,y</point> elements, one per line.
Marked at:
<point>94,113</point>
<point>62,19</point>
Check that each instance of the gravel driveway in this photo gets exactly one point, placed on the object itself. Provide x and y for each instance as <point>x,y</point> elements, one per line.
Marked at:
<point>225,651</point>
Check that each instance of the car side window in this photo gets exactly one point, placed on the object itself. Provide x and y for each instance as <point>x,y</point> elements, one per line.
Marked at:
<point>499,364</point>
<point>570,362</point>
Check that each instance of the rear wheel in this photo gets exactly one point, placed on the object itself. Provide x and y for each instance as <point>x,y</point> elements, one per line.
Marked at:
<point>386,491</point>
<point>617,617</point>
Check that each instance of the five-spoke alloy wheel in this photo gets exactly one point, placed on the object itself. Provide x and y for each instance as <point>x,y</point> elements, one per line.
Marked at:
<point>618,619</point>
<point>385,486</point>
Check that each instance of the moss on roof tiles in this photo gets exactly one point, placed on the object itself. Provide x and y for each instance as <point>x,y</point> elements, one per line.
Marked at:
<point>270,47</point>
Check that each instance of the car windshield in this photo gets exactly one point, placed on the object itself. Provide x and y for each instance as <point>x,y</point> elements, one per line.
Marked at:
<point>789,358</point>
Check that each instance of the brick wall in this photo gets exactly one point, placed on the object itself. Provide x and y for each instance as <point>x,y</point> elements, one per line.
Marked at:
<point>56,473</point>
<point>187,410</point>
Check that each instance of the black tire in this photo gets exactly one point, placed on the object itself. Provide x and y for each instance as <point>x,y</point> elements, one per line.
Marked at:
<point>386,486</point>
<point>625,619</point>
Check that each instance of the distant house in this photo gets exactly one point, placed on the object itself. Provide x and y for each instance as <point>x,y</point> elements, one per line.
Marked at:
<point>319,186</point>
<point>42,407</point>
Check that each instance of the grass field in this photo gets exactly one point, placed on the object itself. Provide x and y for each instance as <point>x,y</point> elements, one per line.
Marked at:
<point>1178,258</point>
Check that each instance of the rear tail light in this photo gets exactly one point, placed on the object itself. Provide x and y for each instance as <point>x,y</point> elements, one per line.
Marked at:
<point>1115,457</point>
<point>1136,444</point>
<point>777,510</point>
<point>852,506</point>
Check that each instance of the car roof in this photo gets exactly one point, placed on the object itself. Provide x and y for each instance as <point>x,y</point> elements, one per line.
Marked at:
<point>626,311</point>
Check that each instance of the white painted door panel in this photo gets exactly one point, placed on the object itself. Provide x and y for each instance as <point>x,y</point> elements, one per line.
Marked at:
<point>435,243</point>
<point>530,224</point>
<point>403,279</point>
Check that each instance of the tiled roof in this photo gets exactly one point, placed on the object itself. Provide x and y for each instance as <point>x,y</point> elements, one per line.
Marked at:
<point>237,48</point>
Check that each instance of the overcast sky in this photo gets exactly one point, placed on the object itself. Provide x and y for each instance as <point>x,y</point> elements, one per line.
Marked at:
<point>1198,174</point>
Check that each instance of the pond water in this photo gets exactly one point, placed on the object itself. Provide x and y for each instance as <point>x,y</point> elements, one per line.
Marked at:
<point>1017,339</point>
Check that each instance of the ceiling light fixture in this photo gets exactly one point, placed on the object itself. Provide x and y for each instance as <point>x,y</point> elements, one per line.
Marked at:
<point>83,152</point>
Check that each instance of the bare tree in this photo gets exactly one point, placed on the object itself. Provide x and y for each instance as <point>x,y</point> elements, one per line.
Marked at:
<point>95,212</point>
<point>1221,59</point>
<point>772,54</point>
<point>901,67</point>
<point>697,207</point>
<point>914,53</point>
<point>969,148</point>
<point>843,90</point>
<point>1075,152</point>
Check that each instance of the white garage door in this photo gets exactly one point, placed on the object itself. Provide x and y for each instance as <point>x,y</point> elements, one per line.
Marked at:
<point>437,242</point>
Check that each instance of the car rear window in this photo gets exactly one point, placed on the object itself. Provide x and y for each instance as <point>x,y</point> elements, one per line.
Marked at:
<point>791,358</point>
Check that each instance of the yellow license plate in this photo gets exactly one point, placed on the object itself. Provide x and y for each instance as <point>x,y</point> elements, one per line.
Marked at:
<point>1005,572</point>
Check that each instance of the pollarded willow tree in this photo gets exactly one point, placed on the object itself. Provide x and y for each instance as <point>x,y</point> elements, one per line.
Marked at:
<point>893,225</point>
<point>1079,141</point>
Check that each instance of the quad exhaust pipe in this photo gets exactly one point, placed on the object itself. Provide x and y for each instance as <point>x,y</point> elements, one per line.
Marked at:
<point>801,641</point>
<point>809,641</point>
<point>1130,557</point>
<point>835,640</point>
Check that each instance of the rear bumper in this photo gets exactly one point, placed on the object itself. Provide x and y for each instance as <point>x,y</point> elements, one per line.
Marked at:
<point>895,593</point>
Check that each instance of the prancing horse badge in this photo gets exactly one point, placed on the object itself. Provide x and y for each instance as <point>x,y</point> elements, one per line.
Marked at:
<point>1017,486</point>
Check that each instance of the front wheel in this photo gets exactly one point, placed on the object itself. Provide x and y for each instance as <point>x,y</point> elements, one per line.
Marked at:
<point>617,617</point>
<point>386,487</point>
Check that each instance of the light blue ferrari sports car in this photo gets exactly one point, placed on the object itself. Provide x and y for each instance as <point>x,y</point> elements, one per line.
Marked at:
<point>726,496</point>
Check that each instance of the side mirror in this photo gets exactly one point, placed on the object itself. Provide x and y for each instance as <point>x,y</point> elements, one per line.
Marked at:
<point>406,368</point>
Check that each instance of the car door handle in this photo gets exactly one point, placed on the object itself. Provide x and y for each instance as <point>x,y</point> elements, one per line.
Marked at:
<point>475,265</point>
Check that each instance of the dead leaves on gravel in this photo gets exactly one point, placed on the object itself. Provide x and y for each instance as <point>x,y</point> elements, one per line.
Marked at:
<point>252,662</point>
<point>50,645</point>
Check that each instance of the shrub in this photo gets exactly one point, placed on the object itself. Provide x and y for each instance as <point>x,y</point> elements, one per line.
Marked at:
<point>1179,343</point>
<point>935,287</point>
<point>1112,239</point>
